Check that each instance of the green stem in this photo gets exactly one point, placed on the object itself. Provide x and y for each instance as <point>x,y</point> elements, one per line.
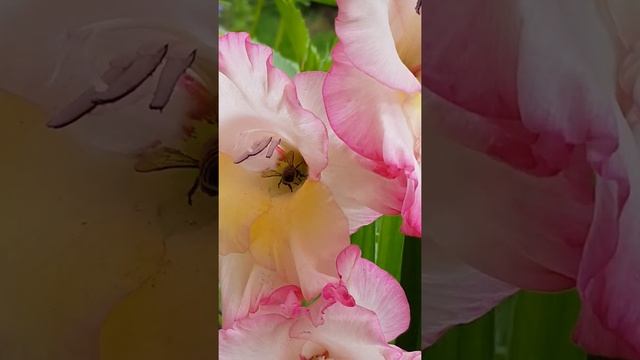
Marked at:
<point>411,283</point>
<point>365,237</point>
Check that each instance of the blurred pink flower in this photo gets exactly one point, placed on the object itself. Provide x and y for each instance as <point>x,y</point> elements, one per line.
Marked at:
<point>372,93</point>
<point>533,173</point>
<point>354,318</point>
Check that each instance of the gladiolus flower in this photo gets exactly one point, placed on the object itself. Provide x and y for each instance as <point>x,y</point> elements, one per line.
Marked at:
<point>354,318</point>
<point>286,183</point>
<point>372,93</point>
<point>283,224</point>
<point>531,116</point>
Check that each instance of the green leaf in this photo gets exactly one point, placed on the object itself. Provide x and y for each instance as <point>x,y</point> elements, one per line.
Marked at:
<point>307,40</point>
<point>317,61</point>
<point>411,283</point>
<point>390,245</point>
<point>542,326</point>
<point>504,327</point>
<point>295,30</point>
<point>284,64</point>
<point>256,16</point>
<point>235,15</point>
<point>471,341</point>
<point>312,60</point>
<point>365,237</point>
<point>527,326</point>
<point>326,2</point>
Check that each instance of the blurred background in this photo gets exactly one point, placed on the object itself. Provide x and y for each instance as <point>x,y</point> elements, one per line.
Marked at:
<point>526,326</point>
<point>97,260</point>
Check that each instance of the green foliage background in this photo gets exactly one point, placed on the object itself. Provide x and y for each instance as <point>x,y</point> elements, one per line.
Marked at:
<point>527,326</point>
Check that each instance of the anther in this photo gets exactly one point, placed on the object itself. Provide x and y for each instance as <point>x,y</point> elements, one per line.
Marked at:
<point>256,149</point>
<point>171,73</point>
<point>272,148</point>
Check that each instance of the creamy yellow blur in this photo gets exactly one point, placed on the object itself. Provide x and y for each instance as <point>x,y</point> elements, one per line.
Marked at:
<point>97,261</point>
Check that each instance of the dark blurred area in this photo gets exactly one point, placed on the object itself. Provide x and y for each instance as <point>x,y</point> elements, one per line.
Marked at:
<point>108,125</point>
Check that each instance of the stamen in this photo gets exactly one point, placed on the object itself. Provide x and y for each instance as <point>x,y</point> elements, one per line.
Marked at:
<point>121,79</point>
<point>272,148</point>
<point>85,103</point>
<point>74,111</point>
<point>418,6</point>
<point>171,73</point>
<point>257,148</point>
<point>136,74</point>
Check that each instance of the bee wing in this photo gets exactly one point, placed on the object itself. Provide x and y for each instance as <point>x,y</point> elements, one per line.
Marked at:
<point>165,158</point>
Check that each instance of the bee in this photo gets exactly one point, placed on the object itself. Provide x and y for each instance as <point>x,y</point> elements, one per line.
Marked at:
<point>168,158</point>
<point>290,174</point>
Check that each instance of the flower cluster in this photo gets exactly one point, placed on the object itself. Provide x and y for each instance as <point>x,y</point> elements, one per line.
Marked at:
<point>304,162</point>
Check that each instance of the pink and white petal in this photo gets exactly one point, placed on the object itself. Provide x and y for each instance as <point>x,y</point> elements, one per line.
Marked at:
<point>625,15</point>
<point>260,337</point>
<point>358,216</point>
<point>454,293</point>
<point>259,98</point>
<point>412,205</point>
<point>243,284</point>
<point>595,338</point>
<point>373,126</point>
<point>361,193</point>
<point>590,118</point>
<point>587,70</point>
<point>286,301</point>
<point>406,27</point>
<point>474,63</point>
<point>300,237</point>
<point>608,269</point>
<point>368,36</point>
<point>532,235</point>
<point>629,83</point>
<point>397,353</point>
<point>375,195</point>
<point>347,333</point>
<point>376,290</point>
